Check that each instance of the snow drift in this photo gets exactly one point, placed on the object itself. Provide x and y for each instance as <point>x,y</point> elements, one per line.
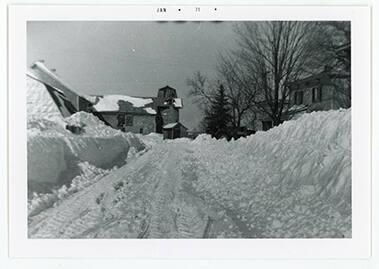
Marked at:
<point>55,154</point>
<point>291,181</point>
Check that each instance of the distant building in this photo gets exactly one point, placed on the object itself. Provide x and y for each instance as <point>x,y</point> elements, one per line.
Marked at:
<point>174,130</point>
<point>130,114</point>
<point>324,91</point>
<point>139,114</point>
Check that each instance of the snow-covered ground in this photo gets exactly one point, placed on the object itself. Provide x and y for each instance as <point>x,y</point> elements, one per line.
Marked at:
<point>292,181</point>
<point>59,159</point>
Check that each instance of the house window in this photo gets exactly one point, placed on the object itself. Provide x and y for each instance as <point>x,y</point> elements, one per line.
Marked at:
<point>298,97</point>
<point>141,130</point>
<point>316,95</point>
<point>128,120</point>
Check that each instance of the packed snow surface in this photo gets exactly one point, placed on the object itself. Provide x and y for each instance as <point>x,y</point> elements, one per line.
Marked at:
<point>292,181</point>
<point>110,102</point>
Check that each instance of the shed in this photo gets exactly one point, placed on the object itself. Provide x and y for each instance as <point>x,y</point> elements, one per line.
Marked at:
<point>174,130</point>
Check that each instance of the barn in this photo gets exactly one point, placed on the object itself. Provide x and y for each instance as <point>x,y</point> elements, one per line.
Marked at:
<point>142,115</point>
<point>139,114</point>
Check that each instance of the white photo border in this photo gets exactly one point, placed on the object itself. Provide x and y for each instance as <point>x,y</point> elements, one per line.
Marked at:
<point>359,246</point>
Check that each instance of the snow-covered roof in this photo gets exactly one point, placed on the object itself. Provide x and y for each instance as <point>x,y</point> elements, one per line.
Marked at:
<point>150,110</point>
<point>178,102</point>
<point>90,98</point>
<point>110,102</point>
<point>170,125</point>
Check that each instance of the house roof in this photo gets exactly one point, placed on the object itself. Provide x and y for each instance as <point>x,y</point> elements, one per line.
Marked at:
<point>318,76</point>
<point>139,105</point>
<point>166,87</point>
<point>173,125</point>
<point>165,102</point>
<point>170,125</point>
<point>124,103</point>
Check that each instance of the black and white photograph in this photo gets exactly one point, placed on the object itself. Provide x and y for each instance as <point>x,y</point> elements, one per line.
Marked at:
<point>189,129</point>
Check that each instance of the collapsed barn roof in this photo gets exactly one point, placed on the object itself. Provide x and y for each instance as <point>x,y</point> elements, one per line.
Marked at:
<point>103,103</point>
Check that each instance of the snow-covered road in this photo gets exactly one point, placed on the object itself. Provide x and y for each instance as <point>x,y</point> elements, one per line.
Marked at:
<point>291,181</point>
<point>151,197</point>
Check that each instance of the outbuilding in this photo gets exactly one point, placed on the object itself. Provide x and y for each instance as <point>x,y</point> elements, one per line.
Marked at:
<point>174,130</point>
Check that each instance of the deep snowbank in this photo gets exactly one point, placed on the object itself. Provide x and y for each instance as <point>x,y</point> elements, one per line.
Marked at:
<point>55,154</point>
<point>291,181</point>
<point>151,139</point>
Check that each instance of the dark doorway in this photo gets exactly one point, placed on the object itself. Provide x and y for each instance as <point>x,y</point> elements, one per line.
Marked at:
<point>176,132</point>
<point>159,122</point>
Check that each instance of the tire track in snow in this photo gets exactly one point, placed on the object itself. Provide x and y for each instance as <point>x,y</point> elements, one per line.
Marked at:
<point>208,199</point>
<point>79,214</point>
<point>156,200</point>
<point>175,213</point>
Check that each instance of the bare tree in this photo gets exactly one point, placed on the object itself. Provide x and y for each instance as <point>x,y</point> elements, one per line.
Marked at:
<point>240,90</point>
<point>272,54</point>
<point>202,90</point>
<point>331,38</point>
<point>335,41</point>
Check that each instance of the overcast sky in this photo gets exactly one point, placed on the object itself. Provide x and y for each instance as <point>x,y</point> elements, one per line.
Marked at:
<point>132,58</point>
